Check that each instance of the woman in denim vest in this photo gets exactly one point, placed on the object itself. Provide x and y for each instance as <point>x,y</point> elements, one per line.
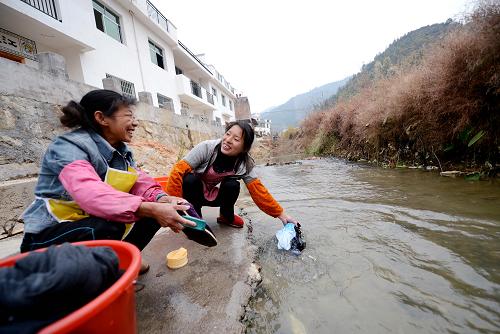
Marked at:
<point>89,185</point>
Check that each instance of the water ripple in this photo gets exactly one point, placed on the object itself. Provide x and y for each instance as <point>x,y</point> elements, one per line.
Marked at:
<point>388,251</point>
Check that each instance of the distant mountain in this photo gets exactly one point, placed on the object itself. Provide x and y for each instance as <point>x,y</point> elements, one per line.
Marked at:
<point>295,110</point>
<point>268,109</point>
<point>405,51</point>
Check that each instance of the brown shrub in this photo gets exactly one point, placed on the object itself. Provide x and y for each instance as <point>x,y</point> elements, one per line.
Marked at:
<point>433,109</point>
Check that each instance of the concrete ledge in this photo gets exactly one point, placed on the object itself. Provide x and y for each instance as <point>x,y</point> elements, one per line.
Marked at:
<point>208,295</point>
<point>10,246</point>
<point>16,171</point>
<point>15,196</point>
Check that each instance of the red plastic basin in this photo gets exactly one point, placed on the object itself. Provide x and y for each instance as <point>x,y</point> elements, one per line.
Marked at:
<point>113,311</point>
<point>162,180</point>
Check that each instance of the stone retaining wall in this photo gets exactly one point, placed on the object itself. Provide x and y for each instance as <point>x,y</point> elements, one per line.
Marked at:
<point>30,102</point>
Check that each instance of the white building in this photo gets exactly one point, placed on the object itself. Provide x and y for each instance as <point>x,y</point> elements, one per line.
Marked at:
<point>125,39</point>
<point>263,127</point>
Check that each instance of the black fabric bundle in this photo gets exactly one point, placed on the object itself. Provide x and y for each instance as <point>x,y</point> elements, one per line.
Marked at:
<point>298,244</point>
<point>45,286</point>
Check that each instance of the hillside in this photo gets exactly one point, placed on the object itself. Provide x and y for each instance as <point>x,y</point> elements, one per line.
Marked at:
<point>405,52</point>
<point>440,111</point>
<point>296,109</point>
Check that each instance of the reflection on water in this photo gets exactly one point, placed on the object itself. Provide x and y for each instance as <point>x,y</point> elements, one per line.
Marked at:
<point>402,251</point>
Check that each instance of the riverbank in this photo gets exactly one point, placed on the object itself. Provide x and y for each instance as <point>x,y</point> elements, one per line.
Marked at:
<point>286,152</point>
<point>208,295</point>
<point>470,173</point>
<point>441,111</point>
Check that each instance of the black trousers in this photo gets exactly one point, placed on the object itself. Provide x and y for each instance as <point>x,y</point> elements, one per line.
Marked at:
<point>192,189</point>
<point>91,228</point>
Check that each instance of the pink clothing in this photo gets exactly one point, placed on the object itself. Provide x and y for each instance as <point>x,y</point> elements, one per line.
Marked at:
<point>99,199</point>
<point>146,187</point>
<point>211,182</point>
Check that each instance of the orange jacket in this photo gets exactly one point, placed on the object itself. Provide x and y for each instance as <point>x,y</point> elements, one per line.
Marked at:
<point>260,195</point>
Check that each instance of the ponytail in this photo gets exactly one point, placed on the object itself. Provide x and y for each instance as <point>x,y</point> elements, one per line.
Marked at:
<point>82,114</point>
<point>73,115</point>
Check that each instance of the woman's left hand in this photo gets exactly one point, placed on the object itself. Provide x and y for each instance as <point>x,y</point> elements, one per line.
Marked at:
<point>172,200</point>
<point>287,219</point>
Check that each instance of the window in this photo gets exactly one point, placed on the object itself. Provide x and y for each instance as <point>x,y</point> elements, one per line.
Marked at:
<point>195,88</point>
<point>185,109</point>
<point>210,98</point>
<point>214,92</point>
<point>106,21</point>
<point>231,105</point>
<point>156,54</point>
<point>223,100</point>
<point>165,102</point>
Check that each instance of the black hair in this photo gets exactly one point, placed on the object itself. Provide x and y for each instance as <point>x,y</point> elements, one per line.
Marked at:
<point>248,137</point>
<point>82,114</point>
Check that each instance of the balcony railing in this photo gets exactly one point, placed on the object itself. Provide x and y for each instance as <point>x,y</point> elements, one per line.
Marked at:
<point>196,89</point>
<point>45,6</point>
<point>210,98</point>
<point>155,15</point>
<point>194,56</point>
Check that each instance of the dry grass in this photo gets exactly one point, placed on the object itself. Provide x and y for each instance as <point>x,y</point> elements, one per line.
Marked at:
<point>435,109</point>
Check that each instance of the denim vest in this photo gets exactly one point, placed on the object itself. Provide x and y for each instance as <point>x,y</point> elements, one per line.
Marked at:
<point>80,144</point>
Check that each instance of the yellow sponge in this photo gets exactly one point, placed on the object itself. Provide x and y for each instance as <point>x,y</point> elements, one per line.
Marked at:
<point>177,258</point>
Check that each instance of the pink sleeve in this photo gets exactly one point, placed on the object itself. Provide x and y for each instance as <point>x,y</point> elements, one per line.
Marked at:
<point>146,187</point>
<point>95,197</point>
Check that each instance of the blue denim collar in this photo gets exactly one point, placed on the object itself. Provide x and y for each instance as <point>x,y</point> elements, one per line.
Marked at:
<point>106,149</point>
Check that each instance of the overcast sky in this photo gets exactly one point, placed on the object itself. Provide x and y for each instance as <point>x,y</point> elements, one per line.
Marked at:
<point>272,50</point>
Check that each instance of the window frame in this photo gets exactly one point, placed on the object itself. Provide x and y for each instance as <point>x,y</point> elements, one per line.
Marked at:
<point>161,54</point>
<point>167,100</point>
<point>103,11</point>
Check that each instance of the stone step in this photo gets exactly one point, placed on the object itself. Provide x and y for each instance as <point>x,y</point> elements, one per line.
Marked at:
<point>15,196</point>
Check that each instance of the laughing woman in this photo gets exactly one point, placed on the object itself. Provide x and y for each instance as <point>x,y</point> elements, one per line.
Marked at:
<point>89,186</point>
<point>209,174</point>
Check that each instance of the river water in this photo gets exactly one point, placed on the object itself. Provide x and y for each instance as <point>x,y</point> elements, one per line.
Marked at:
<point>388,251</point>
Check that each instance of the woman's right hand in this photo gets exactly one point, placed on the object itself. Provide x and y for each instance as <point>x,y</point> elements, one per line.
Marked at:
<point>285,219</point>
<point>165,214</point>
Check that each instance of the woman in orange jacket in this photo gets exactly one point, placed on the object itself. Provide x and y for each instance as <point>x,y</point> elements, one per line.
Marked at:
<point>208,176</point>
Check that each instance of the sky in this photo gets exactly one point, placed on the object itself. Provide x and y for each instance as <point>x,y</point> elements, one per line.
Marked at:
<point>272,50</point>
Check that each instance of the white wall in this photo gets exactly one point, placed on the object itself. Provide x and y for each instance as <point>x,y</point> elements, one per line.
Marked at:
<point>73,64</point>
<point>220,108</point>
<point>72,23</point>
<point>111,56</point>
<point>156,79</point>
<point>91,53</point>
<point>126,60</point>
